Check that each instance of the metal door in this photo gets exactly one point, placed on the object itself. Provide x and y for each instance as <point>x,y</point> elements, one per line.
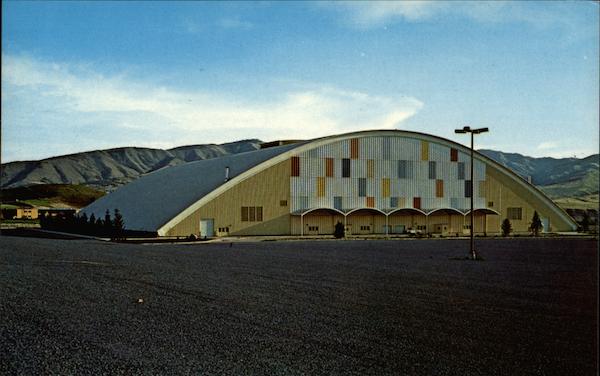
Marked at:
<point>207,228</point>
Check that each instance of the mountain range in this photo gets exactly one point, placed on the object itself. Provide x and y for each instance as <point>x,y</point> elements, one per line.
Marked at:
<point>111,168</point>
<point>108,169</point>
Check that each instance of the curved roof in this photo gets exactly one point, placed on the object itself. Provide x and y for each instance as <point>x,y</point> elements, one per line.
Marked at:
<point>152,200</point>
<point>160,200</point>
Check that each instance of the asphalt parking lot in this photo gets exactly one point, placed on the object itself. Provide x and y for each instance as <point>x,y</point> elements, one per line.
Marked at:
<point>413,307</point>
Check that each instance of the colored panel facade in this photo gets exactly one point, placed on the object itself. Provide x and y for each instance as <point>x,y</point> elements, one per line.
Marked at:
<point>388,169</point>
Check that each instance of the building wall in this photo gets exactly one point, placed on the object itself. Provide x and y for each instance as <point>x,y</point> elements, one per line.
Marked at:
<point>504,193</point>
<point>266,189</point>
<point>373,172</point>
<point>384,173</point>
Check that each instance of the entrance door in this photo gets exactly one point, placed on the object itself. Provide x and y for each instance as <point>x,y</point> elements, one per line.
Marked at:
<point>399,229</point>
<point>207,228</point>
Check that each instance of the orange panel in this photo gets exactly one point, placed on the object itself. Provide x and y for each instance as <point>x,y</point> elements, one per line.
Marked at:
<point>453,155</point>
<point>417,202</point>
<point>370,202</point>
<point>354,148</point>
<point>439,188</point>
<point>295,166</point>
<point>329,167</point>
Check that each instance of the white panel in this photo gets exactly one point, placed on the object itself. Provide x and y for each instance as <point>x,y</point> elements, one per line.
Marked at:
<point>421,169</point>
<point>373,187</point>
<point>358,168</point>
<point>386,169</point>
<point>439,153</point>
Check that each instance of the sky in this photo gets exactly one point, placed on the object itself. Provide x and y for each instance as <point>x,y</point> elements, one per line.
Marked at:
<point>80,76</point>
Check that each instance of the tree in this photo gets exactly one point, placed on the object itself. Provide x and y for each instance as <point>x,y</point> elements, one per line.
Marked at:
<point>536,224</point>
<point>506,227</point>
<point>118,225</point>
<point>585,221</point>
<point>92,223</point>
<point>108,225</point>
<point>339,230</point>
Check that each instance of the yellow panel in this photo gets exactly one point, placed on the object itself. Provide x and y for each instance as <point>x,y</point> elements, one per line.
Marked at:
<point>370,168</point>
<point>401,202</point>
<point>385,187</point>
<point>320,186</point>
<point>424,150</point>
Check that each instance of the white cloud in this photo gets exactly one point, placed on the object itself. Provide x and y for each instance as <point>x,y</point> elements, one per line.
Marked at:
<point>366,14</point>
<point>235,23</point>
<point>547,145</point>
<point>541,15</point>
<point>141,114</point>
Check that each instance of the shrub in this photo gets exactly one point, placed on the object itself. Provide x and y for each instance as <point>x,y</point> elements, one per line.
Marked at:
<point>339,230</point>
<point>536,224</point>
<point>506,227</point>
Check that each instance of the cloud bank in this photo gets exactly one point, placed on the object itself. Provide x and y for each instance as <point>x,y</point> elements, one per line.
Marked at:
<point>56,108</point>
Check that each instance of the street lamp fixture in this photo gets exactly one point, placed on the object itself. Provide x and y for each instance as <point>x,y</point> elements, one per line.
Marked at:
<point>472,132</point>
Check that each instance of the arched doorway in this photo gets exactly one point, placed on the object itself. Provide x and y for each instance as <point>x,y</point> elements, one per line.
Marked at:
<point>365,221</point>
<point>407,220</point>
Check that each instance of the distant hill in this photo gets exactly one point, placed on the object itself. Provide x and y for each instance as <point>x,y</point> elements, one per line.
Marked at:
<point>109,169</point>
<point>565,177</point>
<point>546,171</point>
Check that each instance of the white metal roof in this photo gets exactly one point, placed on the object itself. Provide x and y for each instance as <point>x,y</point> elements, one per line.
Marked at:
<point>149,202</point>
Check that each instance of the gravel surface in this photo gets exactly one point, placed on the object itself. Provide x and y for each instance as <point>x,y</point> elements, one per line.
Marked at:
<point>293,308</point>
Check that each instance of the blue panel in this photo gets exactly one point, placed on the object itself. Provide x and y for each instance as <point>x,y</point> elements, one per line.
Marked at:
<point>454,203</point>
<point>345,168</point>
<point>337,202</point>
<point>468,188</point>
<point>432,172</point>
<point>461,170</point>
<point>362,187</point>
<point>386,148</point>
<point>394,202</point>
<point>403,169</point>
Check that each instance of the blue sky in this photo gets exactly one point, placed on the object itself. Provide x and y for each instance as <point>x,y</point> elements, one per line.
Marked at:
<point>80,76</point>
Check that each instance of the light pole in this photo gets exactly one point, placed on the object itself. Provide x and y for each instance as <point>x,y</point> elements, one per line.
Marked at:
<point>472,132</point>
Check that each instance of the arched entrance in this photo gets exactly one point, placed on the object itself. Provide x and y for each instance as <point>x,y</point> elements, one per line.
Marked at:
<point>446,221</point>
<point>407,220</point>
<point>482,222</point>
<point>365,221</point>
<point>316,221</point>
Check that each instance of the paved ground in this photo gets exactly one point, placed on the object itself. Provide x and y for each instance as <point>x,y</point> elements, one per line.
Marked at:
<point>326,307</point>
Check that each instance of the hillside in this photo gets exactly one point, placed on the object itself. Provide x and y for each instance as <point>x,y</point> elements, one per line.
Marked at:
<point>52,195</point>
<point>108,169</point>
<point>547,171</point>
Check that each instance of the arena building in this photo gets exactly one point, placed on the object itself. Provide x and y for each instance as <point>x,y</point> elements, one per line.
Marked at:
<point>374,182</point>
